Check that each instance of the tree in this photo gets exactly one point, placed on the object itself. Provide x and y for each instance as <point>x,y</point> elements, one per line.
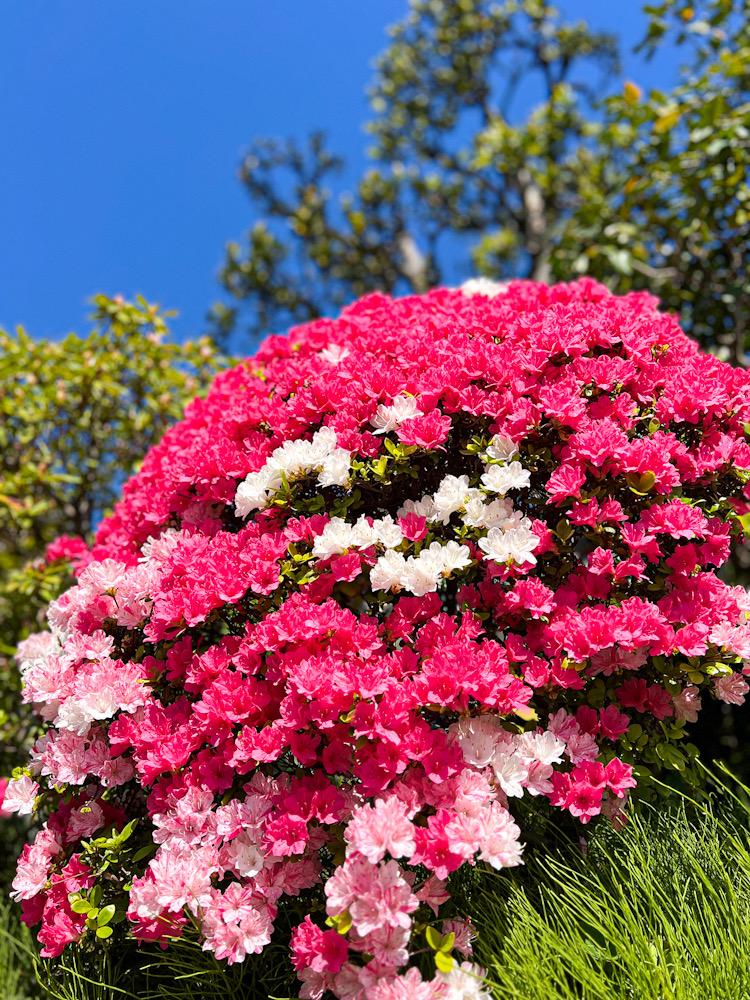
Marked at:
<point>76,417</point>
<point>641,192</point>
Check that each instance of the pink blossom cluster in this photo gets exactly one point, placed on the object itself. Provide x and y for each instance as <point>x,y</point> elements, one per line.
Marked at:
<point>397,574</point>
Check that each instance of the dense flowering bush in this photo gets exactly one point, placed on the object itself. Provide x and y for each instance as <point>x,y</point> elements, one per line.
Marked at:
<point>394,574</point>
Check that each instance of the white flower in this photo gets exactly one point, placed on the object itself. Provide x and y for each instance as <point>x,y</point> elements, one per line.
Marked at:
<point>501,478</point>
<point>500,512</point>
<point>323,442</point>
<point>388,418</point>
<point>388,571</point>
<point>481,515</point>
<point>243,855</point>
<point>465,982</point>
<point>424,508</point>
<point>335,538</point>
<point>288,461</point>
<point>484,286</point>
<point>521,543</point>
<point>511,773</point>
<point>452,495</point>
<point>103,576</point>
<point>257,490</point>
<point>454,556</point>
<point>387,532</point>
<point>478,739</point>
<point>335,468</point>
<point>502,448</point>
<point>334,354</point>
<point>544,747</point>
<point>363,534</point>
<point>74,716</point>
<point>517,544</point>
<point>291,457</point>
<point>419,574</point>
<point>423,573</point>
<point>20,795</point>
<point>99,704</point>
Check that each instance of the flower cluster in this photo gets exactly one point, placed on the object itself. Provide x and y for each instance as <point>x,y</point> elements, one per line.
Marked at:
<point>396,575</point>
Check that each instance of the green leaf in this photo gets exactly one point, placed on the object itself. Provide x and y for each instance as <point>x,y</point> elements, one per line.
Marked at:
<point>564,530</point>
<point>143,852</point>
<point>105,915</point>
<point>343,922</point>
<point>104,932</point>
<point>641,484</point>
<point>434,938</point>
<point>126,831</point>
<point>447,942</point>
<point>443,962</point>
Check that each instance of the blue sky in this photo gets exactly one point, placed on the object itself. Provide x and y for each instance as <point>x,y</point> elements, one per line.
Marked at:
<point>122,124</point>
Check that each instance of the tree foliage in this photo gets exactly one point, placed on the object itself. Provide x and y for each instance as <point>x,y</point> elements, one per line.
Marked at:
<point>505,143</point>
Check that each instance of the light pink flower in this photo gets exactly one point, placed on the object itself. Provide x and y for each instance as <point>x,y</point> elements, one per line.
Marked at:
<point>731,688</point>
<point>384,828</point>
<point>20,795</point>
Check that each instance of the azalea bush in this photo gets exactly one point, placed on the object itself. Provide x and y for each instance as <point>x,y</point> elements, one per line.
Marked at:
<point>403,586</point>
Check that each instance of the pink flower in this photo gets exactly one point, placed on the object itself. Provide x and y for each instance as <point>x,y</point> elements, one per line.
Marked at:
<point>619,777</point>
<point>584,801</point>
<point>386,902</point>
<point>731,688</point>
<point>236,923</point>
<point>687,703</point>
<point>676,519</point>
<point>20,795</point>
<point>410,986</point>
<point>613,723</point>
<point>582,746</point>
<point>322,951</point>
<point>428,431</point>
<point>182,877</point>
<point>387,945</point>
<point>434,893</point>
<point>464,933</point>
<point>384,828</point>
<point>413,526</point>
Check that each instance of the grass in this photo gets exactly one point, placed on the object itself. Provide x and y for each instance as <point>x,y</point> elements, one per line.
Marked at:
<point>658,912</point>
<point>17,979</point>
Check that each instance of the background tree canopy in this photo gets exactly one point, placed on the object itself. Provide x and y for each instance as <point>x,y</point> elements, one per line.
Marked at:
<point>638,190</point>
